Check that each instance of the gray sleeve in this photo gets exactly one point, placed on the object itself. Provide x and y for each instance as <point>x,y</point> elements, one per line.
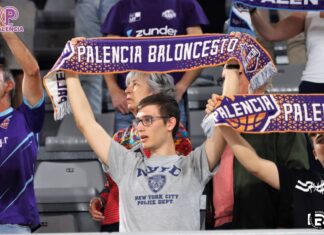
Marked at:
<point>120,159</point>
<point>200,164</point>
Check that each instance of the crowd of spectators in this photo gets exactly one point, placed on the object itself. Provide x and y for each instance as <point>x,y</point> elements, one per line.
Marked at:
<point>251,177</point>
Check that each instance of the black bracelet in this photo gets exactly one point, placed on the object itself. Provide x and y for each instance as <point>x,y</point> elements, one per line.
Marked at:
<point>232,66</point>
<point>252,10</point>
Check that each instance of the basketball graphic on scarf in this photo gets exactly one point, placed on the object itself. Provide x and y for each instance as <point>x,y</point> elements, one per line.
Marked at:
<point>248,123</point>
<point>250,56</point>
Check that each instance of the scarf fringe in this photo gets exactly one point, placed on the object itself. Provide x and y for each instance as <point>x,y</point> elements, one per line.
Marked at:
<point>263,76</point>
<point>208,124</point>
<point>62,110</point>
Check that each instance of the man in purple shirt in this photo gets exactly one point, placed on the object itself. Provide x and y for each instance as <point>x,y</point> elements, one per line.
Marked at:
<point>19,142</point>
<point>144,18</point>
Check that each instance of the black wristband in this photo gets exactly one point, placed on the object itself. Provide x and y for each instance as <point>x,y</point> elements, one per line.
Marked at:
<point>232,66</point>
<point>252,10</point>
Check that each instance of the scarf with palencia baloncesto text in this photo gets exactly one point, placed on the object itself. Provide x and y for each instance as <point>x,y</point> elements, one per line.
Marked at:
<point>251,114</point>
<point>268,113</point>
<point>159,55</point>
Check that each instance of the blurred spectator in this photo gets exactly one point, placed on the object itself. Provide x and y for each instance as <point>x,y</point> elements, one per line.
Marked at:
<point>137,18</point>
<point>296,46</point>
<point>139,85</point>
<point>89,15</point>
<point>216,15</point>
<point>40,4</point>
<point>313,25</point>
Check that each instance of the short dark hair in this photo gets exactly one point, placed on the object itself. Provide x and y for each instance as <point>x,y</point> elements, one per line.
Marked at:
<point>168,107</point>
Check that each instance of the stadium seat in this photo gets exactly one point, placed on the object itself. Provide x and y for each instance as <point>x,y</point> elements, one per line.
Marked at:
<point>201,89</point>
<point>63,190</point>
<point>56,223</point>
<point>69,138</point>
<point>288,79</point>
<point>197,136</point>
<point>67,176</point>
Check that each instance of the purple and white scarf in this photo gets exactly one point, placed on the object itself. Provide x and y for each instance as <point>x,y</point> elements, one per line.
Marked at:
<point>268,113</point>
<point>158,55</point>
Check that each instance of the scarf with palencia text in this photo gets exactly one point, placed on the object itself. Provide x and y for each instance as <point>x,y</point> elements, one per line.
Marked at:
<point>268,113</point>
<point>159,55</point>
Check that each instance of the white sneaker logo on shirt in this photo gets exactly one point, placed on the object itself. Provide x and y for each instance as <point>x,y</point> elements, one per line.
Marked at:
<point>310,187</point>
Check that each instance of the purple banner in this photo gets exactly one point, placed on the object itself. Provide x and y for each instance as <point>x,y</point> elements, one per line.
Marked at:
<point>299,5</point>
<point>159,54</point>
<point>270,113</point>
<point>166,54</point>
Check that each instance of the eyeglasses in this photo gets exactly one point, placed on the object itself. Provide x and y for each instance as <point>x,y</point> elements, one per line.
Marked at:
<point>147,120</point>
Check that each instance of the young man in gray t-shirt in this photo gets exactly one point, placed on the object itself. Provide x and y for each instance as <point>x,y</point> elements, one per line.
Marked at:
<point>160,193</point>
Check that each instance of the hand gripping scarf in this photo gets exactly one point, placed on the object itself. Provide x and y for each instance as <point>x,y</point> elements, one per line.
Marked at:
<point>159,55</point>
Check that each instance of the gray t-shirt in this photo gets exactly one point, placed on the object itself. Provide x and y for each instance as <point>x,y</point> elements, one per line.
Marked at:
<point>159,193</point>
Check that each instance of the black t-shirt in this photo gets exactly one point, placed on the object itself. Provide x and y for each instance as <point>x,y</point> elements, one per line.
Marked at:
<point>303,190</point>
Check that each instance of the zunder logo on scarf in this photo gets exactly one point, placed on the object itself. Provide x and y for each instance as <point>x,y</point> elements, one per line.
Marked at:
<point>159,54</point>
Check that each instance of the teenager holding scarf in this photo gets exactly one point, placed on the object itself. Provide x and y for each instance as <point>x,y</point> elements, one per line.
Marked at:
<point>139,85</point>
<point>162,192</point>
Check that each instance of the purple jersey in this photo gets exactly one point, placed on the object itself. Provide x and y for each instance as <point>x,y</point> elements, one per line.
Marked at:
<point>18,150</point>
<point>144,18</point>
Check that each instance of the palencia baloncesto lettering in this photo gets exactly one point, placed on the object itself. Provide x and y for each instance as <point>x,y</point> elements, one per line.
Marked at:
<point>156,53</point>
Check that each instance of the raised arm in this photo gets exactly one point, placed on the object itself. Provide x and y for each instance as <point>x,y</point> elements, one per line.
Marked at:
<point>32,84</point>
<point>97,137</point>
<point>215,145</point>
<point>282,30</point>
<point>263,169</point>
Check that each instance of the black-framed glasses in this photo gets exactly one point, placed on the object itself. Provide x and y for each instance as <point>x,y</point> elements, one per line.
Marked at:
<point>147,120</point>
